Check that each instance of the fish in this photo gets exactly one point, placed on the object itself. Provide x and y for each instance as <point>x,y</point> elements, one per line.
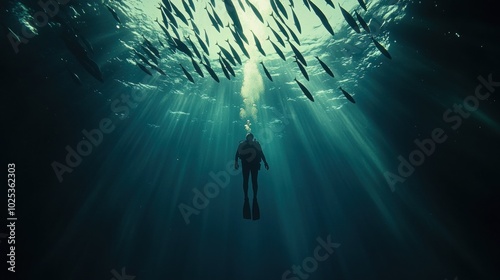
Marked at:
<point>150,54</point>
<point>197,68</point>
<point>176,33</point>
<point>277,49</point>
<point>224,70</point>
<point>235,53</point>
<point>350,20</point>
<point>281,7</point>
<point>381,48</point>
<point>143,68</point>
<point>302,69</point>
<point>179,14</point>
<point>241,5</point>
<point>227,65</point>
<point>190,78</point>
<point>75,77</point>
<point>306,3</point>
<point>267,72</point>
<point>166,3</point>
<point>347,95</point>
<point>226,54</point>
<point>158,69</point>
<point>322,17</point>
<point>325,67</point>
<point>212,2</point>
<point>239,41</point>
<point>211,72</point>
<point>171,19</point>
<point>277,36</point>
<point>258,45</point>
<point>191,4</point>
<point>362,4</point>
<point>329,2</point>
<point>206,38</point>
<point>363,22</point>
<point>281,28</point>
<point>195,28</point>
<point>159,41</point>
<point>196,52</point>
<point>231,11</point>
<point>298,54</point>
<point>255,11</point>
<point>142,57</point>
<point>165,31</point>
<point>306,92</point>
<point>214,22</point>
<point>182,47</point>
<point>292,5</point>
<point>187,9</point>
<point>113,12</point>
<point>202,44</point>
<point>217,18</point>
<point>296,21</point>
<point>151,47</point>
<point>295,38</point>
<point>206,61</point>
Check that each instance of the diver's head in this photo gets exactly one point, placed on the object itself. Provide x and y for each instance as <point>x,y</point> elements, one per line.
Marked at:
<point>249,137</point>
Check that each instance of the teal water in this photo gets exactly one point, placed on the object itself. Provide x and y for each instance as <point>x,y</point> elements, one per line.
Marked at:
<point>163,140</point>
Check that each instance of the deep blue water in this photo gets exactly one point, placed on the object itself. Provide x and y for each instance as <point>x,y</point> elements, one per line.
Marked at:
<point>119,207</point>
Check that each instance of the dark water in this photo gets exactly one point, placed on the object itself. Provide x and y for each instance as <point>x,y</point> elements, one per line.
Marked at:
<point>116,214</point>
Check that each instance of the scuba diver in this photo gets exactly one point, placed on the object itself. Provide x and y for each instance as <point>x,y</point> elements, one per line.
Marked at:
<point>250,153</point>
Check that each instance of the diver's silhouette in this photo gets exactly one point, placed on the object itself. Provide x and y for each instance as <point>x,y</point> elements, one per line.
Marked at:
<point>250,153</point>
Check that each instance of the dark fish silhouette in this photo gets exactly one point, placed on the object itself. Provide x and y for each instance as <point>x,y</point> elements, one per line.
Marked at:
<point>325,67</point>
<point>306,92</point>
<point>281,7</point>
<point>206,38</point>
<point>322,17</point>
<point>187,74</point>
<point>167,5</point>
<point>302,69</point>
<point>113,12</point>
<point>216,16</point>
<point>182,47</point>
<point>228,66</point>
<point>211,72</point>
<point>159,41</point>
<point>171,18</point>
<point>350,20</point>
<point>292,5</point>
<point>226,54</point>
<point>231,11</point>
<point>142,57</point>
<point>295,38</point>
<point>195,28</point>
<point>234,52</point>
<point>179,14</point>
<point>241,5</point>
<point>187,9</point>
<point>191,4</point>
<point>151,47</point>
<point>150,54</point>
<point>267,72</point>
<point>258,45</point>
<point>176,33</point>
<point>281,28</point>
<point>296,21</point>
<point>196,52</point>
<point>197,68</point>
<point>306,3</point>
<point>277,36</point>
<point>158,69</point>
<point>329,2</point>
<point>224,70</point>
<point>298,54</point>
<point>277,49</point>
<point>362,3</point>
<point>214,22</point>
<point>347,95</point>
<point>381,48</point>
<point>255,11</point>
<point>143,68</point>
<point>202,44</point>
<point>363,23</point>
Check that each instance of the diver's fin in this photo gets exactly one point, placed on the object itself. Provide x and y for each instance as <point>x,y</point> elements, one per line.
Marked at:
<point>255,209</point>
<point>246,209</point>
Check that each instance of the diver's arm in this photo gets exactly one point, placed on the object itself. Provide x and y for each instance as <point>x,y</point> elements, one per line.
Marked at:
<point>264,159</point>
<point>236,160</point>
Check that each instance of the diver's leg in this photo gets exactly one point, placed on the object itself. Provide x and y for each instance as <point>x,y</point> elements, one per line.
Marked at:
<point>246,174</point>
<point>255,185</point>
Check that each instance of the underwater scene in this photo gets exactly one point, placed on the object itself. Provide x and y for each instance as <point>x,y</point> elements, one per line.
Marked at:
<point>250,139</point>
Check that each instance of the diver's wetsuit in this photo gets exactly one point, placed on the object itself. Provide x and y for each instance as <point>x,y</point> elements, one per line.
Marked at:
<point>250,153</point>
